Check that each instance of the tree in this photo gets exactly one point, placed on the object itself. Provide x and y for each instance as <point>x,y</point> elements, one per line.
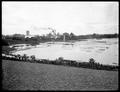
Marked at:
<point>91,60</point>
<point>19,56</point>
<point>60,58</point>
<point>33,57</point>
<point>67,36</point>
<point>72,35</point>
<point>58,35</point>
<point>24,57</point>
<point>49,35</point>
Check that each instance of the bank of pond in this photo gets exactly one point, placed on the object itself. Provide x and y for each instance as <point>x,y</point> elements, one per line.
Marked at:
<point>60,61</point>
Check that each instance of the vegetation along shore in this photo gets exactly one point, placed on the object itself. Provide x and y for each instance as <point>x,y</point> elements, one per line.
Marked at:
<point>60,61</point>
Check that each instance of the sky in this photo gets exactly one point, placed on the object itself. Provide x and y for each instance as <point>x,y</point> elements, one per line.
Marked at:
<point>78,17</point>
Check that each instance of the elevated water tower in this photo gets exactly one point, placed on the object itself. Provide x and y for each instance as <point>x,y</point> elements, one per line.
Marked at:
<point>27,33</point>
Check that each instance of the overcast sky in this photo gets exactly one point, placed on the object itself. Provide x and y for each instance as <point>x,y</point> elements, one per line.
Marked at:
<point>77,17</point>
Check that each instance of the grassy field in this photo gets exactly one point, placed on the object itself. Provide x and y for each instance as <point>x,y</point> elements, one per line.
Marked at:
<point>34,76</point>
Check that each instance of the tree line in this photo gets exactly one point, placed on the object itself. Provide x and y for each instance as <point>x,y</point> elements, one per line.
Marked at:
<point>60,61</point>
<point>20,38</point>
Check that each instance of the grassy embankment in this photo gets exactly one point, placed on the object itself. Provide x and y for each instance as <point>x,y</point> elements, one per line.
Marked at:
<point>34,76</point>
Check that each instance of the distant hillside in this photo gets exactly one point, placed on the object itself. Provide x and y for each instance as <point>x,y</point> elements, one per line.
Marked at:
<point>34,76</point>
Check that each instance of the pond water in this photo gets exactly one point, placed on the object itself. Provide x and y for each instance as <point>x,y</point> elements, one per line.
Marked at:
<point>104,51</point>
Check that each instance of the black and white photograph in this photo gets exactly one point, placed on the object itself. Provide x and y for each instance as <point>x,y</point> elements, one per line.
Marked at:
<point>60,45</point>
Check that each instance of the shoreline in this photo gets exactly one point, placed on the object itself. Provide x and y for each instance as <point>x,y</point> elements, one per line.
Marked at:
<point>67,43</point>
<point>60,61</point>
<point>22,48</point>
